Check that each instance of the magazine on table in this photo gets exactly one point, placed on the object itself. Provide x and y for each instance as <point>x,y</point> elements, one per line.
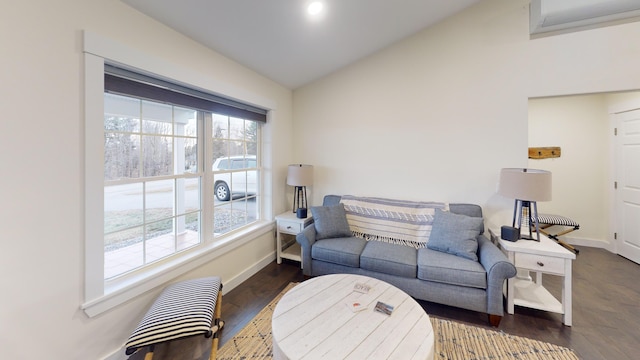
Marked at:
<point>362,288</point>
<point>384,308</point>
<point>355,305</point>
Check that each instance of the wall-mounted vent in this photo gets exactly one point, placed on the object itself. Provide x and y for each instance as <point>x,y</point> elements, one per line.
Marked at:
<point>554,15</point>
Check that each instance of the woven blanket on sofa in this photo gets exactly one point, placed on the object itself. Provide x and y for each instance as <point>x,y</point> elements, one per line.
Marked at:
<point>394,221</point>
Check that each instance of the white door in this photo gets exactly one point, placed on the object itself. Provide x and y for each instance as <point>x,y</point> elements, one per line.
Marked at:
<point>627,211</point>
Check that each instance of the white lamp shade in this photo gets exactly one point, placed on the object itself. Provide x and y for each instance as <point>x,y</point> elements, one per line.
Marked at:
<point>525,184</point>
<point>300,175</point>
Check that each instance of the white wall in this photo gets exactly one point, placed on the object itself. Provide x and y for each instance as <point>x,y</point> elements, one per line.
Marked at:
<point>436,116</point>
<point>433,117</point>
<point>623,99</point>
<point>579,125</point>
<point>41,156</point>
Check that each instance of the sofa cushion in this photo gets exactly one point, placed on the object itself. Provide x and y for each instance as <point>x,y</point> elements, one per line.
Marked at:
<point>455,234</point>
<point>343,251</point>
<point>330,222</point>
<point>450,269</point>
<point>389,258</point>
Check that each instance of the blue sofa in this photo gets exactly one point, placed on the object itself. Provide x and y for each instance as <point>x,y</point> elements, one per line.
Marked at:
<point>424,273</point>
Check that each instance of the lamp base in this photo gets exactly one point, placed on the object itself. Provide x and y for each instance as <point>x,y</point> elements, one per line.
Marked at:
<point>525,237</point>
<point>300,201</point>
<point>528,211</point>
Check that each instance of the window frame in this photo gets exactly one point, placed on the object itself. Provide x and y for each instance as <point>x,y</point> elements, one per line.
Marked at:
<point>101,296</point>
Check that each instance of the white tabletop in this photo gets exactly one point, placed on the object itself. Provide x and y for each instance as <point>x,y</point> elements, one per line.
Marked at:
<point>313,321</point>
<point>545,247</point>
<point>291,216</point>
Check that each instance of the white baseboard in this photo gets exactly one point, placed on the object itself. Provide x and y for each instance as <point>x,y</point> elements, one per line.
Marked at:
<point>600,244</point>
<point>232,283</point>
<point>228,286</point>
<point>117,355</point>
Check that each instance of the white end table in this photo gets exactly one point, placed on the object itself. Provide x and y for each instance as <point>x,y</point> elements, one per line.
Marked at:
<point>541,257</point>
<point>288,223</point>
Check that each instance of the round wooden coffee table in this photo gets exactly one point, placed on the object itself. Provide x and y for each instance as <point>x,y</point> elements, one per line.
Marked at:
<point>314,320</point>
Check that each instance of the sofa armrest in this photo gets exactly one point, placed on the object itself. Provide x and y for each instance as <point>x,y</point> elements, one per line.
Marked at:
<point>306,238</point>
<point>498,268</point>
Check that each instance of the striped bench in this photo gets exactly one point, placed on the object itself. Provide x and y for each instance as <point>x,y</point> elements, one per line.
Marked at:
<point>183,309</point>
<point>549,220</point>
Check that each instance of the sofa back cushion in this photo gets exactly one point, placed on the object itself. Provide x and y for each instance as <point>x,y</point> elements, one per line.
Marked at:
<point>402,222</point>
<point>472,210</point>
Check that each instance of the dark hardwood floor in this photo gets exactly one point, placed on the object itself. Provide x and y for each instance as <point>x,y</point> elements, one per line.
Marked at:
<point>606,308</point>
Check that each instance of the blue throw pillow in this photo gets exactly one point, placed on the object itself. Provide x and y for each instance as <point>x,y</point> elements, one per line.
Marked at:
<point>330,222</point>
<point>455,234</point>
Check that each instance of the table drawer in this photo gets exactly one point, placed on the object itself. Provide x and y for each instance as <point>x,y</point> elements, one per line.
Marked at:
<point>289,227</point>
<point>540,263</point>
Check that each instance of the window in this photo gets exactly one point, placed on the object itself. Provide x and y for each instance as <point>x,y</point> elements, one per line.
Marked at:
<point>164,132</point>
<point>236,175</point>
<point>154,172</point>
<point>152,187</point>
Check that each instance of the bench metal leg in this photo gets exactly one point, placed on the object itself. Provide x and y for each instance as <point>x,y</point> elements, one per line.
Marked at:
<point>558,240</point>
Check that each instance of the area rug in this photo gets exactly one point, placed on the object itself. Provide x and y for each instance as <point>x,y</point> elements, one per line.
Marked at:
<point>453,341</point>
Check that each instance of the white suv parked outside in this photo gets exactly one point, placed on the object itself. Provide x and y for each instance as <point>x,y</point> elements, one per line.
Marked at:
<point>236,182</point>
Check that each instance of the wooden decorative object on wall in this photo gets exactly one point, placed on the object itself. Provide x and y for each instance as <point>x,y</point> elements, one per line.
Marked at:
<point>544,152</point>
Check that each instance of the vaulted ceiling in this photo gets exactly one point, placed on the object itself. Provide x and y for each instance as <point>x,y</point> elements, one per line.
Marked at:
<point>280,40</point>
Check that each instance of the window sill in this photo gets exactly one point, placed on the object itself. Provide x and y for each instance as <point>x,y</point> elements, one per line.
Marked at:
<point>127,288</point>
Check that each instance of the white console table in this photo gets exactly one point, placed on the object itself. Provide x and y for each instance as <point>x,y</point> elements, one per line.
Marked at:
<point>541,257</point>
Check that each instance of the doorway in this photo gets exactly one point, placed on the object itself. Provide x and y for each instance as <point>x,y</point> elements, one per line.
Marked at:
<point>583,175</point>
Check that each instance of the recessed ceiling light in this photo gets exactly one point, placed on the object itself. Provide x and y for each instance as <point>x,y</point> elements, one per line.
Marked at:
<point>315,8</point>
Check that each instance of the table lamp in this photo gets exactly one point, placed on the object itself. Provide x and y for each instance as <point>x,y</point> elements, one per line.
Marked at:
<point>300,176</point>
<point>527,187</point>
